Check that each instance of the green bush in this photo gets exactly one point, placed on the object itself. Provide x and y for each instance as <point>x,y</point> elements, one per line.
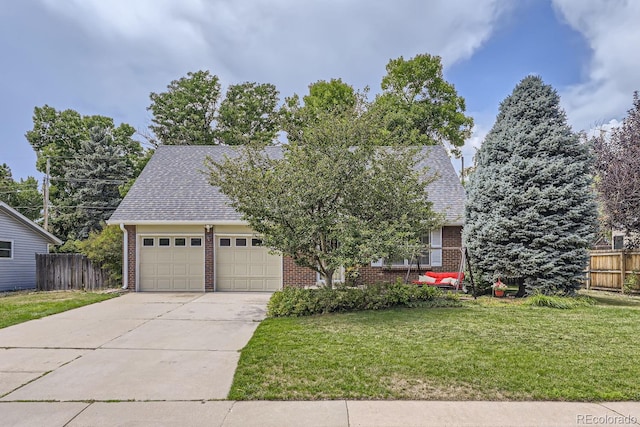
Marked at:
<point>632,283</point>
<point>306,302</point>
<point>561,302</point>
<point>104,248</point>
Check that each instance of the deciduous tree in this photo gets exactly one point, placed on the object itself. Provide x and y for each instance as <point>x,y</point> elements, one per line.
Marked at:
<point>419,105</point>
<point>185,113</point>
<point>332,198</point>
<point>22,195</point>
<point>248,114</point>
<point>617,167</point>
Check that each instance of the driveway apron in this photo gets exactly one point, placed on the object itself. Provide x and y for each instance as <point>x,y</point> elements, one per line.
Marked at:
<point>137,347</point>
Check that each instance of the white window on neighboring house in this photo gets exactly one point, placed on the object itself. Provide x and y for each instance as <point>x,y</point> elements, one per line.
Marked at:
<point>430,256</point>
<point>6,249</point>
<point>338,276</point>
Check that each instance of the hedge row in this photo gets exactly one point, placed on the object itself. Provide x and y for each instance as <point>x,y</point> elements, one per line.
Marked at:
<point>304,302</point>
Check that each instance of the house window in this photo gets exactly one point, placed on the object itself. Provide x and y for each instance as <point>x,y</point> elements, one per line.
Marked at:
<point>225,242</point>
<point>430,256</point>
<point>618,242</point>
<point>338,277</point>
<point>196,241</point>
<point>6,249</point>
<point>164,241</point>
<point>241,242</point>
<point>179,241</point>
<point>256,242</point>
<point>147,241</point>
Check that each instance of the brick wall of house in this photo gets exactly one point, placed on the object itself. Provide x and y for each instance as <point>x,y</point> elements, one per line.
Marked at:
<point>131,257</point>
<point>208,260</point>
<point>294,275</point>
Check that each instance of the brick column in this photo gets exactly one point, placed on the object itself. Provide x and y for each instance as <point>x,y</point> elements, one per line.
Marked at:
<point>130,262</point>
<point>208,260</point>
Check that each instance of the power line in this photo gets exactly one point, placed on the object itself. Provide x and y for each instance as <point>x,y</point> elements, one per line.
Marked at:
<point>106,181</point>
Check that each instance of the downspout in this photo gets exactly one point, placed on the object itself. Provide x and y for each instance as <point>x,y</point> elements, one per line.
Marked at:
<point>125,258</point>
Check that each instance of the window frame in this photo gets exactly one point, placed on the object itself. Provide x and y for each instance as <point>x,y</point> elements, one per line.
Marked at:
<point>11,249</point>
<point>338,277</point>
<point>432,249</point>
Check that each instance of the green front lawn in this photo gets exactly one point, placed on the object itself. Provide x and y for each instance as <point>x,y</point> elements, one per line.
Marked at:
<point>19,307</point>
<point>487,350</point>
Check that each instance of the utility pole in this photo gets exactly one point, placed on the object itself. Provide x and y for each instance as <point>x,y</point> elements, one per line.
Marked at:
<point>462,170</point>
<point>45,194</point>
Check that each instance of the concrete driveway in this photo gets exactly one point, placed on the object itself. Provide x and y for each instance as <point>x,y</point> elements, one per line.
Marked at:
<point>140,346</point>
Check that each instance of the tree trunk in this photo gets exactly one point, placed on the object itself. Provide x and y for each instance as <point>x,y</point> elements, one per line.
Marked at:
<point>327,275</point>
<point>522,291</point>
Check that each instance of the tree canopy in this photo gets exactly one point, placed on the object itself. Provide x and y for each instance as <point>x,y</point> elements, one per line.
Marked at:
<point>421,106</point>
<point>617,167</point>
<point>185,113</point>
<point>417,105</point>
<point>530,213</point>
<point>61,137</point>
<point>192,112</point>
<point>22,195</point>
<point>334,198</point>
<point>248,114</point>
<point>94,178</point>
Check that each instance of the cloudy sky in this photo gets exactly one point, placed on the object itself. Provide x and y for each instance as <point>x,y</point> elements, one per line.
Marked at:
<point>105,57</point>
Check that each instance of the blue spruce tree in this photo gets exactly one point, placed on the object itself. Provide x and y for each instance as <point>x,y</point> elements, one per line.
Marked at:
<point>531,214</point>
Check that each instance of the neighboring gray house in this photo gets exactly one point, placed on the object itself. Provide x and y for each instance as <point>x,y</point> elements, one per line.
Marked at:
<point>20,240</point>
<point>180,234</point>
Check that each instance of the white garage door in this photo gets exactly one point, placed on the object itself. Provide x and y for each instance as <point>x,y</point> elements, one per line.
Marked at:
<point>243,264</point>
<point>172,263</point>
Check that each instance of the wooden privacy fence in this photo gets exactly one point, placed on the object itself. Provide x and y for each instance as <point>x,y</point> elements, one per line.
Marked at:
<point>608,269</point>
<point>69,272</point>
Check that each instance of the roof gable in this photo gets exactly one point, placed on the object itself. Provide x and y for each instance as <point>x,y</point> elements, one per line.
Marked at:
<point>9,211</point>
<point>174,187</point>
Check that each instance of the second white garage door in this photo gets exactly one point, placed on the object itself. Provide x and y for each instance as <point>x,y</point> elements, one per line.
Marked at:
<point>243,264</point>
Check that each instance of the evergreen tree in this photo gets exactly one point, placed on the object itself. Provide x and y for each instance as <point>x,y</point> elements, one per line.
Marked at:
<point>94,178</point>
<point>57,136</point>
<point>530,213</point>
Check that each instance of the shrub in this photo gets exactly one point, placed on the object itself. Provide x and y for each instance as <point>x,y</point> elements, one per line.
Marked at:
<point>306,302</point>
<point>104,248</point>
<point>561,302</point>
<point>632,283</point>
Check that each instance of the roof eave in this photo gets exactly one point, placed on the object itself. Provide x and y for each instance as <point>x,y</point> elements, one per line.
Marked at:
<point>177,222</point>
<point>26,221</point>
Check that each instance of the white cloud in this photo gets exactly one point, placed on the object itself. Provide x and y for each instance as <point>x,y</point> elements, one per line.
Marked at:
<point>287,40</point>
<point>612,31</point>
<point>128,49</point>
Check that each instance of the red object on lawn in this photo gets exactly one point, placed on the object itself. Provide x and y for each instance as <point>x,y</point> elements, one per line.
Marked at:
<point>439,277</point>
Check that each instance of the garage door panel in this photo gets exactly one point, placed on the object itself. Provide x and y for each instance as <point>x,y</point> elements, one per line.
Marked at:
<point>257,270</point>
<point>241,269</point>
<point>163,269</point>
<point>246,268</point>
<point>171,268</point>
<point>273,271</point>
<point>180,284</point>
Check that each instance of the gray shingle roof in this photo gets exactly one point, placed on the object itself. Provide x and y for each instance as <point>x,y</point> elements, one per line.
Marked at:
<point>173,187</point>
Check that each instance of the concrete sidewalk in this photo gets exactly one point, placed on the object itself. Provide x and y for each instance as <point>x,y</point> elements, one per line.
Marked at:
<point>320,413</point>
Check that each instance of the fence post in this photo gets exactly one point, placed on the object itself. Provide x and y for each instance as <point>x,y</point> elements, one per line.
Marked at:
<point>623,269</point>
